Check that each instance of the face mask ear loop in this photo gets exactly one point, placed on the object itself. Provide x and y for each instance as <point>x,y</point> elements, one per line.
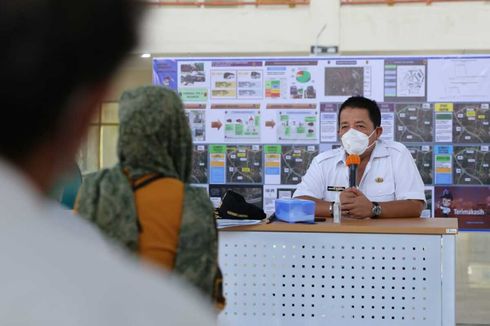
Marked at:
<point>374,142</point>
<point>373,132</point>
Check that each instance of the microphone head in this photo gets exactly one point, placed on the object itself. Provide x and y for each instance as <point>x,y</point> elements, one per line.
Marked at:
<point>353,159</point>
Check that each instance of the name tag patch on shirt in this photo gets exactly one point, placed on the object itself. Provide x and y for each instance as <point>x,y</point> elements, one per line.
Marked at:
<point>335,188</point>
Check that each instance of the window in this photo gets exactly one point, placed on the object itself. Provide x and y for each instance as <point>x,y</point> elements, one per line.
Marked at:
<point>99,149</point>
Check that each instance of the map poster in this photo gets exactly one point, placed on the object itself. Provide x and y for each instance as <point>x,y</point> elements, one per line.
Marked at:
<point>295,161</point>
<point>199,164</point>
<point>413,122</point>
<point>422,156</point>
<point>471,123</point>
<point>471,165</point>
<point>244,164</point>
<point>471,205</point>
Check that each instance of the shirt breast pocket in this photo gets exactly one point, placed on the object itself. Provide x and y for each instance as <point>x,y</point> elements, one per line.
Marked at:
<point>381,192</point>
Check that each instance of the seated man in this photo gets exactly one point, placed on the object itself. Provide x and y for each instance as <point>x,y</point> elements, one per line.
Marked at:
<point>389,184</point>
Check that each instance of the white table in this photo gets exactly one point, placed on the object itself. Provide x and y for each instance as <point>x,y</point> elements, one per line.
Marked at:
<point>369,272</point>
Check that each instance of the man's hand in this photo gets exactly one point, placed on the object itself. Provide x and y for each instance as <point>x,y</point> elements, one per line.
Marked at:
<point>354,204</point>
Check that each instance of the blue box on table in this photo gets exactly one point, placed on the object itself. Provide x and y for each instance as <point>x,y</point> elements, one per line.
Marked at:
<point>295,210</point>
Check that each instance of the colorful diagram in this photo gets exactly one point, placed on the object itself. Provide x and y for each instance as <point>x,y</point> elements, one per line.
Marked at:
<point>303,76</point>
<point>301,84</point>
<point>242,125</point>
<point>223,84</point>
<point>297,126</point>
<point>273,88</point>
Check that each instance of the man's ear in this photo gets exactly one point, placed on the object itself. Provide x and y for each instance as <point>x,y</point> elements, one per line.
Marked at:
<point>379,132</point>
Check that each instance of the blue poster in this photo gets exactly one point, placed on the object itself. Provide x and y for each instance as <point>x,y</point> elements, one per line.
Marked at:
<point>165,73</point>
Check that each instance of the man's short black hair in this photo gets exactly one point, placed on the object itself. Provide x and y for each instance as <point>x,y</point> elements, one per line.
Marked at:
<point>50,49</point>
<point>360,102</point>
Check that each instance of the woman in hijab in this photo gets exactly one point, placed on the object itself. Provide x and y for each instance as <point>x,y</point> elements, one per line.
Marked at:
<point>144,202</point>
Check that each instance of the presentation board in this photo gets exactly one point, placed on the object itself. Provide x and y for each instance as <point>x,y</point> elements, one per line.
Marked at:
<point>258,122</point>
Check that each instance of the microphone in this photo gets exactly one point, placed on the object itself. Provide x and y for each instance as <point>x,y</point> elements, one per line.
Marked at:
<point>353,162</point>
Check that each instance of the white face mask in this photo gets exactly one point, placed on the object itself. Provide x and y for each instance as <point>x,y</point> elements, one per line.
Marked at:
<point>356,142</point>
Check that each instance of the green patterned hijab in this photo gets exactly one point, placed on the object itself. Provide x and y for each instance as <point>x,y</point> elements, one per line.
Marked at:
<point>154,135</point>
<point>155,138</point>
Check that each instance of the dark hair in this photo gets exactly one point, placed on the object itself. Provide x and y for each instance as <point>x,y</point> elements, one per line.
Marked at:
<point>52,48</point>
<point>360,102</point>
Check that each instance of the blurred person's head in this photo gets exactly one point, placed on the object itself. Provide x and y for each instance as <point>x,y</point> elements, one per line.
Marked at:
<point>154,134</point>
<point>55,67</point>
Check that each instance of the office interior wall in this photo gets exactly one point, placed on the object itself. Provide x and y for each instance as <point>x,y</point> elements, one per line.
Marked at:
<point>457,27</point>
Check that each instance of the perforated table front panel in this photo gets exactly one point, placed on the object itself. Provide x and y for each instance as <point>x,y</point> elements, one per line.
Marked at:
<point>279,278</point>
